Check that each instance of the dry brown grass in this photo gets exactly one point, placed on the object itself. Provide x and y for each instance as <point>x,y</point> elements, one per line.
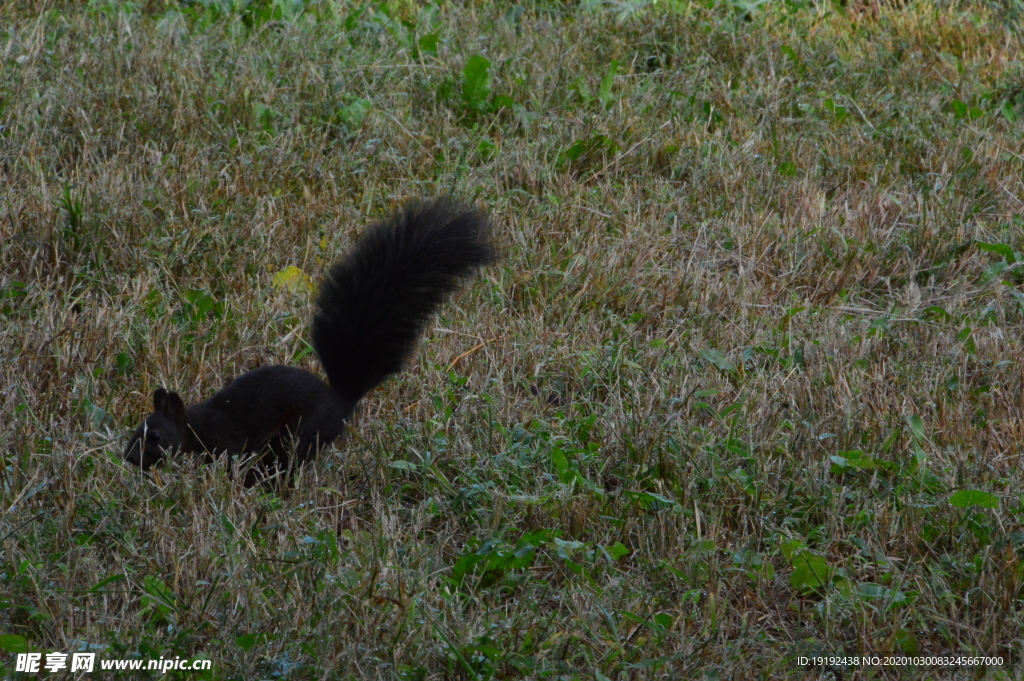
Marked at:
<point>760,255</point>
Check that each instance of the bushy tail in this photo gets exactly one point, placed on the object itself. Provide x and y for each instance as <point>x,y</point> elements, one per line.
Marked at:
<point>374,304</point>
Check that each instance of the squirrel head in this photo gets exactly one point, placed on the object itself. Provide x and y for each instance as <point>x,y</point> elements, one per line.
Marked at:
<point>162,433</point>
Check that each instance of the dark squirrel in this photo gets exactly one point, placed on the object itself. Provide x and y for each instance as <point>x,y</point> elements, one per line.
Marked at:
<point>372,308</point>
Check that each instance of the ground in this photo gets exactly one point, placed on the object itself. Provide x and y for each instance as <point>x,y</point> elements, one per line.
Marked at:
<point>745,388</point>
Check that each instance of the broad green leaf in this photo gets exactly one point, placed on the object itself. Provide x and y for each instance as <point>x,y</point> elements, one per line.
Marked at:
<point>972,497</point>
<point>999,249</point>
<point>617,550</point>
<point>916,426</point>
<point>13,643</point>
<point>103,582</point>
<point>810,571</point>
<point>604,91</point>
<point>476,82</point>
<point>716,358</point>
<point>403,465</point>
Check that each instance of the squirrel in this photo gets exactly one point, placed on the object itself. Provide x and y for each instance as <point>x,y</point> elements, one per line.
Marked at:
<point>372,308</point>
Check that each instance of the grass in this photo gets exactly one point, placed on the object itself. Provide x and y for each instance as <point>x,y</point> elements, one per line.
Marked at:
<point>746,387</point>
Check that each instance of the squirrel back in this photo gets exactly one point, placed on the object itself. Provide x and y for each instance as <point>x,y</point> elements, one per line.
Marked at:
<point>372,308</point>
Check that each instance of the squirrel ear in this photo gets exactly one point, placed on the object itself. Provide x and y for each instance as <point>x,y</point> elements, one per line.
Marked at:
<point>159,399</point>
<point>174,403</point>
<point>175,408</point>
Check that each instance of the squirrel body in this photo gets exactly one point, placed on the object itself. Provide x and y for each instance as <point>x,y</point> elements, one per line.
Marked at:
<point>372,308</point>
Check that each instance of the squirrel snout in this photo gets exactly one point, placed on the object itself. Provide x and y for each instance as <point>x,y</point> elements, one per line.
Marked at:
<point>132,456</point>
<point>135,453</point>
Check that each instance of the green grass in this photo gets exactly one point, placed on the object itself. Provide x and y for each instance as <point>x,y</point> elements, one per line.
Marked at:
<point>747,385</point>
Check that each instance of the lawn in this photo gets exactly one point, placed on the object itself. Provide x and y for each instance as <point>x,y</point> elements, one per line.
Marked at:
<point>746,388</point>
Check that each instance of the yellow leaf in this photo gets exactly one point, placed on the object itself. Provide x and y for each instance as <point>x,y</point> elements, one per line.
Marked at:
<point>293,279</point>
